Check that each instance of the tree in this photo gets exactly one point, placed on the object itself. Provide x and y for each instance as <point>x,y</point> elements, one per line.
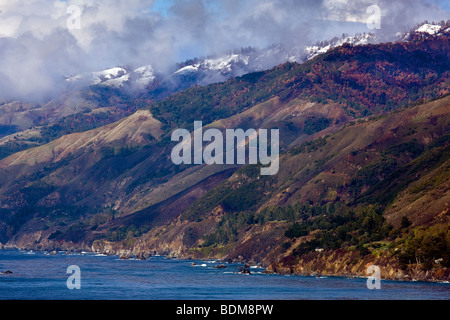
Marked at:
<point>405,222</point>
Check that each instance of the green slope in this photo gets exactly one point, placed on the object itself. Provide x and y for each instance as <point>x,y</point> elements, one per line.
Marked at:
<point>337,192</point>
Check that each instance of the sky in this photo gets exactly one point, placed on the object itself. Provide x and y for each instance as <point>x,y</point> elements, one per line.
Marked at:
<point>41,41</point>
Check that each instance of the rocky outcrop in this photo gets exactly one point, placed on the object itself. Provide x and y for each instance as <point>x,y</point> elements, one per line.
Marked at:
<point>7,272</point>
<point>245,269</point>
<point>125,256</point>
<point>351,264</point>
<point>143,255</point>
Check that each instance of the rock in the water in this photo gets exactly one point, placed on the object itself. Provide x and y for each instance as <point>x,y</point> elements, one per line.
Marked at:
<point>125,256</point>
<point>141,256</point>
<point>267,271</point>
<point>7,272</point>
<point>245,269</point>
<point>220,266</point>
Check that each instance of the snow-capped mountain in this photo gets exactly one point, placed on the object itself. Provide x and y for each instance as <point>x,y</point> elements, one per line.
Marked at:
<point>372,38</point>
<point>203,71</point>
<point>116,77</point>
<point>214,68</point>
<point>198,71</point>
<point>223,67</point>
<point>324,46</point>
<point>430,29</point>
<point>85,92</point>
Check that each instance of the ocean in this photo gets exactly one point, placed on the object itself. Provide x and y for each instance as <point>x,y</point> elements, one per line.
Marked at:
<point>41,276</point>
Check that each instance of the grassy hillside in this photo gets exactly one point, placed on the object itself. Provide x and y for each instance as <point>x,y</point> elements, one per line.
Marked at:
<point>375,188</point>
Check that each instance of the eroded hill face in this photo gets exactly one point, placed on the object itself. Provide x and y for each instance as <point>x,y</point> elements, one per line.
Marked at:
<point>388,169</point>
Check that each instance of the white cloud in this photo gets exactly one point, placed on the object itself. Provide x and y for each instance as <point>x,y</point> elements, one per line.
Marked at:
<point>37,49</point>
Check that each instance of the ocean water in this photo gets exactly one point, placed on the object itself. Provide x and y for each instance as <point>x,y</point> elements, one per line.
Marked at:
<point>39,276</point>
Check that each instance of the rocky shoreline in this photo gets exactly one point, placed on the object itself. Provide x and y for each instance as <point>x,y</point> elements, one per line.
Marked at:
<point>341,263</point>
<point>338,263</point>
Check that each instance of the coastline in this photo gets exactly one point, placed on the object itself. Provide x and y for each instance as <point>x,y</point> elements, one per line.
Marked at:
<point>274,268</point>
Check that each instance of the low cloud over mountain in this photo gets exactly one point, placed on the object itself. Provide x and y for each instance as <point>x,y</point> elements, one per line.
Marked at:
<point>45,41</point>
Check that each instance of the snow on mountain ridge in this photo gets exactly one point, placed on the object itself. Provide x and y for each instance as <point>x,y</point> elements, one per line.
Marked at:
<point>223,64</point>
<point>220,68</point>
<point>117,82</point>
<point>429,28</point>
<point>357,40</point>
<point>145,76</point>
<point>108,74</point>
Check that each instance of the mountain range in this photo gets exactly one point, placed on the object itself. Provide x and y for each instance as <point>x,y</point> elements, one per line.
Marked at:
<point>111,92</point>
<point>364,170</point>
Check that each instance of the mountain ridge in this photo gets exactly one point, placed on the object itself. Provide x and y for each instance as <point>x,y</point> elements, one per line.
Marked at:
<point>101,97</point>
<point>348,120</point>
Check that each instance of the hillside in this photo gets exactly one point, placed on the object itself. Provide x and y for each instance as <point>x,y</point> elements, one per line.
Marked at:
<point>95,99</point>
<point>337,204</point>
<point>360,146</point>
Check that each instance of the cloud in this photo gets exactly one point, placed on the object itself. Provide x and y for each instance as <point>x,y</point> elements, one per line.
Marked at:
<point>398,13</point>
<point>38,47</point>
